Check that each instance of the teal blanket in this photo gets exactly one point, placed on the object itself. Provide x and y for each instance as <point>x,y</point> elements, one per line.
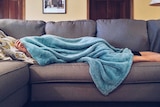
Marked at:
<point>108,65</point>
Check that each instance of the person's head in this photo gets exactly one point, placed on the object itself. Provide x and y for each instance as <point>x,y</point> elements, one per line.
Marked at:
<point>21,48</point>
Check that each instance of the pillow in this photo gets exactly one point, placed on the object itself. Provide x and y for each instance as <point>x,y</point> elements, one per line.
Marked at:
<point>2,34</point>
<point>9,52</point>
<point>124,33</point>
<point>154,35</point>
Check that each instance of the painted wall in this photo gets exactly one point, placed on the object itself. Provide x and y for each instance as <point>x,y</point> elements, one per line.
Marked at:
<point>77,9</point>
<point>142,10</point>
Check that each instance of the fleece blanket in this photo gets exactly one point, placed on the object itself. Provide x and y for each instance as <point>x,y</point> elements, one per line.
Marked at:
<point>108,65</point>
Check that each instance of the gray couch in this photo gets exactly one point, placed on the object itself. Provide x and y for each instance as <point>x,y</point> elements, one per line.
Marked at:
<point>21,82</point>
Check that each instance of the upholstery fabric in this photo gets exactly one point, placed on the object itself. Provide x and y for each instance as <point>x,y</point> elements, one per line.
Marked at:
<point>88,92</point>
<point>154,34</point>
<point>13,75</point>
<point>143,72</point>
<point>78,72</point>
<point>21,28</point>
<point>124,33</point>
<point>72,29</point>
<point>16,99</point>
<point>67,72</point>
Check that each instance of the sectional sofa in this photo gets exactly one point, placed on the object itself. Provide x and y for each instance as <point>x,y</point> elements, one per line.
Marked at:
<point>21,82</point>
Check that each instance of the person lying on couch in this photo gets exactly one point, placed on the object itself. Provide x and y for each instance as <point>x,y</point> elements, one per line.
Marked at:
<point>138,56</point>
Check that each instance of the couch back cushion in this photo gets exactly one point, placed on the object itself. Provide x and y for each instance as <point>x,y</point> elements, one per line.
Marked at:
<point>21,28</point>
<point>71,29</point>
<point>124,33</point>
<point>154,34</point>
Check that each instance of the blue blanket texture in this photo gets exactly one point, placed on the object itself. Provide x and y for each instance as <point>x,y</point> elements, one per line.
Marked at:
<point>108,65</point>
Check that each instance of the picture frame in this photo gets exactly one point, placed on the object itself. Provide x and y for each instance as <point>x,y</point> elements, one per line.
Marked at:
<point>54,6</point>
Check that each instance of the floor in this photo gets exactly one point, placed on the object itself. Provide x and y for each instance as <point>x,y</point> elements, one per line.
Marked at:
<point>93,104</point>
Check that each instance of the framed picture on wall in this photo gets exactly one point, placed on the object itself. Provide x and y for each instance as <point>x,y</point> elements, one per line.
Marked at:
<point>54,6</point>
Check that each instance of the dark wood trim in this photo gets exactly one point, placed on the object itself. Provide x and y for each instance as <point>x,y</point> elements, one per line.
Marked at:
<point>12,9</point>
<point>24,10</point>
<point>124,14</point>
<point>88,8</point>
<point>132,9</point>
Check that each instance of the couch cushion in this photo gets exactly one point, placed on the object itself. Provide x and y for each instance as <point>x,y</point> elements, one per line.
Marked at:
<point>124,33</point>
<point>21,28</point>
<point>142,72</point>
<point>72,29</point>
<point>13,76</point>
<point>154,35</point>
<point>68,72</point>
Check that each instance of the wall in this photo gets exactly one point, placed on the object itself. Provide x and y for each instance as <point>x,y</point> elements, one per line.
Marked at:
<point>77,9</point>
<point>142,10</point>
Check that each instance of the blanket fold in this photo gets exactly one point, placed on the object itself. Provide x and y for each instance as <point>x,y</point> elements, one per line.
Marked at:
<point>108,65</point>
